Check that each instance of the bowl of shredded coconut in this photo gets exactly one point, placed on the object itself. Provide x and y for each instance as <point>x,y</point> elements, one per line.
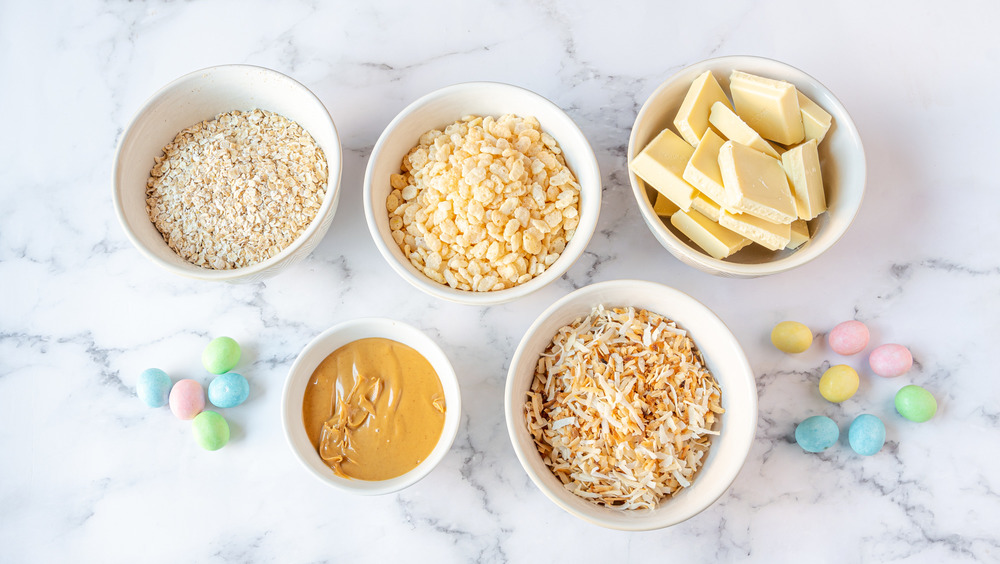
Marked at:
<point>229,173</point>
<point>630,405</point>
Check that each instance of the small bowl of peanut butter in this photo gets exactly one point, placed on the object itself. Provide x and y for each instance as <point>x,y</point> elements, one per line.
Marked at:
<point>371,406</point>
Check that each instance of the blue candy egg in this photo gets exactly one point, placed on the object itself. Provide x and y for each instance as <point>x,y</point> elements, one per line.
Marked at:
<point>817,433</point>
<point>153,387</point>
<point>867,434</point>
<point>228,390</point>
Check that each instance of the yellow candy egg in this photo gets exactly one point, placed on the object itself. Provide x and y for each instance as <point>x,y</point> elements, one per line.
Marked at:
<point>791,337</point>
<point>838,383</point>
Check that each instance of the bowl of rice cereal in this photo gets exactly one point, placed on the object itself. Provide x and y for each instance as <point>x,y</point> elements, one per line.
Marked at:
<point>481,192</point>
<point>229,173</point>
<point>630,405</point>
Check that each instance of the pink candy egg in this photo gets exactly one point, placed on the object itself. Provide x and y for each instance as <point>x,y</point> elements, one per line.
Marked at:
<point>889,361</point>
<point>849,337</point>
<point>187,399</point>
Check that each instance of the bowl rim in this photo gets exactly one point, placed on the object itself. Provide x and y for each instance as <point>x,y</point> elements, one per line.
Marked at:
<point>701,260</point>
<point>365,327</point>
<point>330,200</point>
<point>644,521</point>
<point>588,216</point>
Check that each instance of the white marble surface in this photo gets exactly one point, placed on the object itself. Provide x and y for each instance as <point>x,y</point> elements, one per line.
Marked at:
<point>87,473</point>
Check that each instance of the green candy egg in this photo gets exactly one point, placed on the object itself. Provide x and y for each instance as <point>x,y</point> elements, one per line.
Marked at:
<point>221,355</point>
<point>915,403</point>
<point>211,431</point>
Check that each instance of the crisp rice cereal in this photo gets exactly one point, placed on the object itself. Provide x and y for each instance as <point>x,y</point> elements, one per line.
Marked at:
<point>622,407</point>
<point>236,190</point>
<point>486,204</point>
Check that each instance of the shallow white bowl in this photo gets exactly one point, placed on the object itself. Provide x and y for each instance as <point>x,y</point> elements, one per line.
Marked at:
<point>842,159</point>
<point>722,354</point>
<point>444,107</point>
<point>321,347</point>
<point>199,96</point>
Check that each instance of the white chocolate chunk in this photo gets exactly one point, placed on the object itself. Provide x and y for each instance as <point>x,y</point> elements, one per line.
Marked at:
<point>770,107</point>
<point>692,117</point>
<point>801,164</point>
<point>661,165</point>
<point>755,184</point>
<point>663,206</point>
<point>702,171</point>
<point>706,207</point>
<point>799,235</point>
<point>815,120</point>
<point>715,239</point>
<point>774,236</point>
<point>735,129</point>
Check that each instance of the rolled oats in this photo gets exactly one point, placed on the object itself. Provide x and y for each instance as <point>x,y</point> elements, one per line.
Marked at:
<point>236,190</point>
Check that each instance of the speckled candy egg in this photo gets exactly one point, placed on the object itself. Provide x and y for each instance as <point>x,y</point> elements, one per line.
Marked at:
<point>187,399</point>
<point>866,434</point>
<point>228,390</point>
<point>817,433</point>
<point>889,361</point>
<point>221,355</point>
<point>839,383</point>
<point>211,431</point>
<point>849,337</point>
<point>915,403</point>
<point>153,387</point>
<point>791,337</point>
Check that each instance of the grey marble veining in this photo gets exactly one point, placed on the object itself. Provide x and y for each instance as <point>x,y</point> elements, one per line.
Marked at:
<point>87,473</point>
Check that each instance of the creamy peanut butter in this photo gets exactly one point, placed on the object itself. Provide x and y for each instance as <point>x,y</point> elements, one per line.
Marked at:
<point>374,409</point>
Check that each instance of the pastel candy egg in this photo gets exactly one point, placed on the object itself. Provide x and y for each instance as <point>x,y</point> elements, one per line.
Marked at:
<point>817,433</point>
<point>889,361</point>
<point>228,390</point>
<point>221,355</point>
<point>849,337</point>
<point>791,337</point>
<point>915,403</point>
<point>153,387</point>
<point>211,431</point>
<point>187,399</point>
<point>866,435</point>
<point>839,383</point>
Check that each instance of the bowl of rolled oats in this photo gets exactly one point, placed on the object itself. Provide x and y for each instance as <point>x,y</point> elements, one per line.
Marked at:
<point>480,193</point>
<point>630,405</point>
<point>230,173</point>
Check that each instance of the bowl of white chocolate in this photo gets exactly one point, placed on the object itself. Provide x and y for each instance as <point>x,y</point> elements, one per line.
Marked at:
<point>745,166</point>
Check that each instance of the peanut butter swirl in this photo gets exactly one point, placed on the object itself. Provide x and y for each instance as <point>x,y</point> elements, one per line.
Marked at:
<point>374,409</point>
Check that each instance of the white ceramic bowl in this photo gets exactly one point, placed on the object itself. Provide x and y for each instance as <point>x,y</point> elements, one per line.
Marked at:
<point>842,159</point>
<point>722,354</point>
<point>199,96</point>
<point>321,347</point>
<point>444,107</point>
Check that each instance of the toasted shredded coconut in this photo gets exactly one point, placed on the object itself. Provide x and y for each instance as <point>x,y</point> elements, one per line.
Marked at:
<point>622,407</point>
